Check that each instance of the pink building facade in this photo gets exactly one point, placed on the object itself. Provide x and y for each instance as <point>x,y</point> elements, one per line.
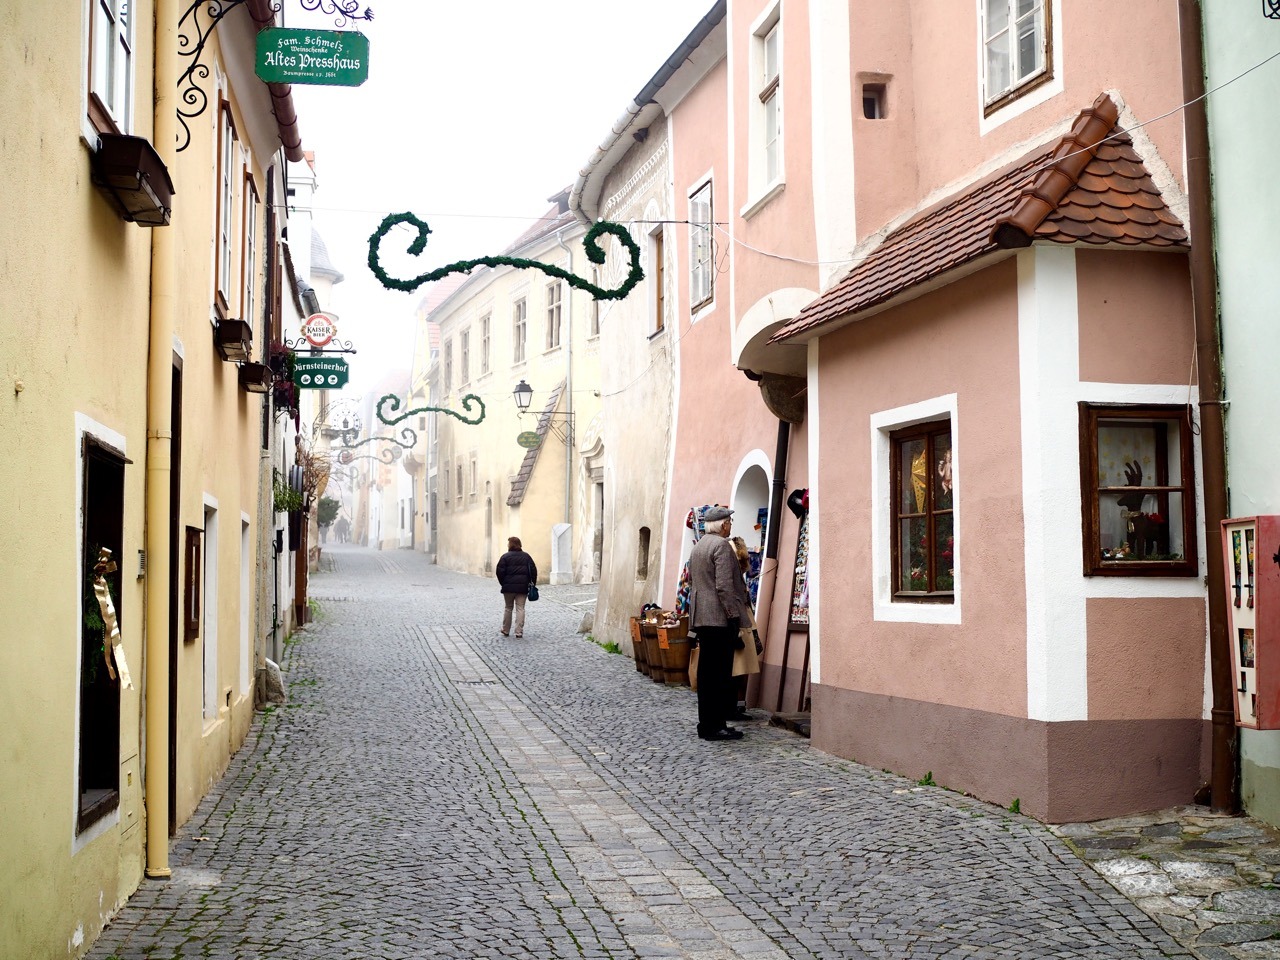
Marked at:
<point>947,234</point>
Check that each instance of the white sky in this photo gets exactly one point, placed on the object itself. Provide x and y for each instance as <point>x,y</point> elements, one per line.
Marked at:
<point>474,113</point>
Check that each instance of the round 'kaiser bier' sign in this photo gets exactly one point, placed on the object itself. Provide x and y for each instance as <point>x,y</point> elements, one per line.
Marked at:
<point>319,329</point>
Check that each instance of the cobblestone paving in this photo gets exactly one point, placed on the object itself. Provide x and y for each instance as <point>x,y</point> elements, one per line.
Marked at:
<point>435,790</point>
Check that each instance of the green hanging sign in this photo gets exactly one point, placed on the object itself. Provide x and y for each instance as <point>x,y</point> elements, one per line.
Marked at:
<point>320,373</point>
<point>336,58</point>
<point>529,439</point>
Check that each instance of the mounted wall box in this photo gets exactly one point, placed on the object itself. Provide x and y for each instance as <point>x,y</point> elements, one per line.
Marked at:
<point>234,340</point>
<point>134,178</point>
<point>1251,558</point>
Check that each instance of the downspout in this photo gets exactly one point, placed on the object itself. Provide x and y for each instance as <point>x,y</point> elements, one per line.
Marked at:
<point>159,453</point>
<point>1204,296</point>
<point>570,439</point>
<point>769,568</point>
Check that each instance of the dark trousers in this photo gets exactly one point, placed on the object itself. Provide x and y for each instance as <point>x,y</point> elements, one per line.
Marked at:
<point>717,693</point>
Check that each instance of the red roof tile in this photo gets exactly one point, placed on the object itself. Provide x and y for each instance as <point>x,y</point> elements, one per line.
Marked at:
<point>1075,190</point>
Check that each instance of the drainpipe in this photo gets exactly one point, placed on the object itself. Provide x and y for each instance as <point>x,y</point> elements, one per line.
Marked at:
<point>1204,295</point>
<point>159,453</point>
<point>568,386</point>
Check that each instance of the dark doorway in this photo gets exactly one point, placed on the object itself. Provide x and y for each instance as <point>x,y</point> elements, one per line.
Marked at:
<point>103,504</point>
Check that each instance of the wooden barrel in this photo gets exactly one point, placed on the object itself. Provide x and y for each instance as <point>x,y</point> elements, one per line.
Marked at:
<point>652,652</point>
<point>675,662</point>
<point>638,647</point>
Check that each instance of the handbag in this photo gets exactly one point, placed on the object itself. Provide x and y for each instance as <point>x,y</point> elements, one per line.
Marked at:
<point>533,592</point>
<point>746,661</point>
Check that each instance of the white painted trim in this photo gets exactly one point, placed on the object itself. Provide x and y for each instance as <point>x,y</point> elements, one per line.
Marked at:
<point>760,190</point>
<point>247,564</point>
<point>770,191</point>
<point>813,418</point>
<point>85,425</point>
<point>831,92</point>
<point>884,608</point>
<point>179,348</point>
<point>708,180</point>
<point>773,308</point>
<point>1033,98</point>
<point>1049,376</point>
<point>755,458</point>
<point>209,609</point>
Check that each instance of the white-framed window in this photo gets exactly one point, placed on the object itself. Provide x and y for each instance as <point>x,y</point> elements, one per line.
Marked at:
<point>657,281</point>
<point>769,90</point>
<point>110,66</point>
<point>458,489</point>
<point>1016,47</point>
<point>486,338</point>
<point>464,357</point>
<point>226,197</point>
<point>447,366</point>
<point>519,330</point>
<point>555,307</point>
<point>701,258</point>
<point>915,504</point>
<point>475,477</point>
<point>249,268</point>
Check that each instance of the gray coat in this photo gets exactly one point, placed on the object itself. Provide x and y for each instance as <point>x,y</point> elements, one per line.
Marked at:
<point>716,590</point>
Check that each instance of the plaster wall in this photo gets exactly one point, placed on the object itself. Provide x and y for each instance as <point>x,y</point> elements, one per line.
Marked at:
<point>761,224</point>
<point>637,376</point>
<point>1244,141</point>
<point>932,56</point>
<point>960,341</point>
<point>720,418</point>
<point>74,295</point>
<point>221,439</point>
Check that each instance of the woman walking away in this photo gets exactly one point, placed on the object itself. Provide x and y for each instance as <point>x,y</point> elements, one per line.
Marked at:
<point>516,570</point>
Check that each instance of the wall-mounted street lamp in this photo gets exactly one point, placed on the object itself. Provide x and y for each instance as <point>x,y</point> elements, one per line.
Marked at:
<point>560,424</point>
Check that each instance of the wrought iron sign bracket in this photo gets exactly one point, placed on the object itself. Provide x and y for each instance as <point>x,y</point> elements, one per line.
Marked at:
<point>191,40</point>
<point>342,10</point>
<point>1271,9</point>
<point>303,346</point>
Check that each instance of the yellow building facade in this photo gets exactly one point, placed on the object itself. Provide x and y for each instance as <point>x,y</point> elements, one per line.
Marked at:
<point>133,362</point>
<point>502,327</point>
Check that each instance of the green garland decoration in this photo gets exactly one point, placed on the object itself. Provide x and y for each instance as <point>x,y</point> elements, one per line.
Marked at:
<point>594,253</point>
<point>467,402</point>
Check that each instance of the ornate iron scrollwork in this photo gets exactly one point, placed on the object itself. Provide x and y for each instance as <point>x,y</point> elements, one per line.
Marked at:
<point>1271,9</point>
<point>390,454</point>
<point>192,36</point>
<point>344,10</point>
<point>337,346</point>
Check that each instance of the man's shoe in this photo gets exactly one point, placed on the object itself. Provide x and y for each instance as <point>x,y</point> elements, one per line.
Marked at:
<point>725,734</point>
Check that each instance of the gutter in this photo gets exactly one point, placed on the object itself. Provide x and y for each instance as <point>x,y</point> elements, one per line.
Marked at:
<point>596,166</point>
<point>281,93</point>
<point>1204,298</point>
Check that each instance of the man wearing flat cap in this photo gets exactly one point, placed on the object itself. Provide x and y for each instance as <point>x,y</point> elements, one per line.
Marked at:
<point>716,612</point>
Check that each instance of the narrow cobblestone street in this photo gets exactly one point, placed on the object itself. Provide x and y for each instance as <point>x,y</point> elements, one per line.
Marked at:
<point>433,789</point>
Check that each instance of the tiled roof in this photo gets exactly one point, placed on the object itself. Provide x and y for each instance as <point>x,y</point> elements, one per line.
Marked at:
<point>521,483</point>
<point>1078,189</point>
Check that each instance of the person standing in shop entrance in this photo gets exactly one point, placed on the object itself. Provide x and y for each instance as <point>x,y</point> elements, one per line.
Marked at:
<point>716,613</point>
<point>515,571</point>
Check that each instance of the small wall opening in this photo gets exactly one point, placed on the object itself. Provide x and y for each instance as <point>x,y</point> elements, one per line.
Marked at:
<point>642,555</point>
<point>874,101</point>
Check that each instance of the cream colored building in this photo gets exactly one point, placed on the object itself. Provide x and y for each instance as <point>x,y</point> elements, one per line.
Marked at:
<point>501,327</point>
<point>128,357</point>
